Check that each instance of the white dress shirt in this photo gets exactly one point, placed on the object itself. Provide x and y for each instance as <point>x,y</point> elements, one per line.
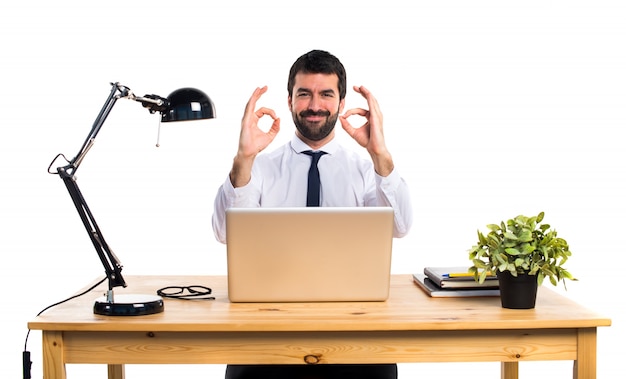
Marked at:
<point>279,179</point>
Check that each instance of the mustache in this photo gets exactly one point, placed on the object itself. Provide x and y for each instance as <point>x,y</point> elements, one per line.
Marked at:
<point>309,112</point>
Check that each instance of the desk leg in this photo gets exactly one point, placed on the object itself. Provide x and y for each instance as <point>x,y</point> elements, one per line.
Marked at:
<point>509,370</point>
<point>53,355</point>
<point>116,372</point>
<point>585,364</point>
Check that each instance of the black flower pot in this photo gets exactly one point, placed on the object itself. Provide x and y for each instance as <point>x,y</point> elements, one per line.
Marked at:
<point>517,292</point>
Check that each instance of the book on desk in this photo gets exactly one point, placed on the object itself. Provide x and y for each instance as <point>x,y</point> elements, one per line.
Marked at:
<point>454,282</point>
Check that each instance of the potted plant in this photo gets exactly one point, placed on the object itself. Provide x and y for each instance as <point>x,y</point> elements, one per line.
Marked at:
<point>522,252</point>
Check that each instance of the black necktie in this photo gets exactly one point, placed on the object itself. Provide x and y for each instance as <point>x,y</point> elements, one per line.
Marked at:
<point>313,190</point>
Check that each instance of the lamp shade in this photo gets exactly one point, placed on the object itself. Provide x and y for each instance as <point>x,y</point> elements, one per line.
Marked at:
<point>188,104</point>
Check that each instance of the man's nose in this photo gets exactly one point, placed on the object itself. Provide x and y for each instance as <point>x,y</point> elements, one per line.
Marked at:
<point>315,104</point>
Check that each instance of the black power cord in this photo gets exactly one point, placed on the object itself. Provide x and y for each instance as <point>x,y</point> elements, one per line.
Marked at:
<point>26,362</point>
<point>195,292</point>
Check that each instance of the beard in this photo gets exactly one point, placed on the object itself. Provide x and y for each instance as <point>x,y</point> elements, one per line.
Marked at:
<point>315,131</point>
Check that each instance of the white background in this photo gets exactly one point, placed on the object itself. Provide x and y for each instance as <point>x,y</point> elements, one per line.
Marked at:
<point>492,109</point>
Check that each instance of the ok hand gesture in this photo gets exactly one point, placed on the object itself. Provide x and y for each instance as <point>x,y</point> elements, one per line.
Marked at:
<point>252,139</point>
<point>370,134</point>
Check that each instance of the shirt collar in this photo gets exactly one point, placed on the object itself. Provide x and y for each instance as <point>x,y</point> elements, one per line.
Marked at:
<point>298,146</point>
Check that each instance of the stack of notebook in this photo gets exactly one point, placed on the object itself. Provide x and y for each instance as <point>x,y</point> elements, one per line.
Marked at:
<point>455,282</point>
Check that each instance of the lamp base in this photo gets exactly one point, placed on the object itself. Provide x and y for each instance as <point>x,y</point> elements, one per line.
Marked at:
<point>129,305</point>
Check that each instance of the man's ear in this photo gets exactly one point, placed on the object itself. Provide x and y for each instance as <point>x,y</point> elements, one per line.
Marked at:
<point>342,104</point>
<point>289,102</point>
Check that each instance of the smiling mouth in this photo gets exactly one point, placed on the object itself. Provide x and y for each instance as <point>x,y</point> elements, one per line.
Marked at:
<point>310,113</point>
<point>313,118</point>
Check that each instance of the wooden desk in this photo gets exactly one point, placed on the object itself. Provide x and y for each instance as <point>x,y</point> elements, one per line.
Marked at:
<point>409,327</point>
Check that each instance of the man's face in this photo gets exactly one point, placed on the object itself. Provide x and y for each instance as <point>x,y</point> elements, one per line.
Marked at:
<point>315,105</point>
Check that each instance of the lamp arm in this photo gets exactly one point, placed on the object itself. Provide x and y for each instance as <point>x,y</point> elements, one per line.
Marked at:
<point>117,91</point>
<point>111,263</point>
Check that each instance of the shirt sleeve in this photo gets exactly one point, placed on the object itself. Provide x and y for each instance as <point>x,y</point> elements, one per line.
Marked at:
<point>231,197</point>
<point>393,191</point>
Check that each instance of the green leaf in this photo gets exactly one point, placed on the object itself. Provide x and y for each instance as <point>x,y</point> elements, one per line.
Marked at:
<point>482,277</point>
<point>493,227</point>
<point>526,236</point>
<point>512,251</point>
<point>540,216</point>
<point>540,278</point>
<point>481,239</point>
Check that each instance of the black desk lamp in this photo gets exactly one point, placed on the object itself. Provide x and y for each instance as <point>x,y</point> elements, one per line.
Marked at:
<point>181,105</point>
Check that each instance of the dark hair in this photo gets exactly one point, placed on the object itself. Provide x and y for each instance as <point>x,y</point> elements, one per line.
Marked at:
<point>318,62</point>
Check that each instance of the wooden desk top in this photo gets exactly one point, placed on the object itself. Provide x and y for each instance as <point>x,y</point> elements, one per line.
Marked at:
<point>408,308</point>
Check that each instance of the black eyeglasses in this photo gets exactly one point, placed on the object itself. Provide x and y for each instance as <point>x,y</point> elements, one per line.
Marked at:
<point>194,292</point>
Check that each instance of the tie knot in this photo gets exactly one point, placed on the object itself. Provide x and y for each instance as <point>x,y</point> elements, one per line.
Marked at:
<point>315,155</point>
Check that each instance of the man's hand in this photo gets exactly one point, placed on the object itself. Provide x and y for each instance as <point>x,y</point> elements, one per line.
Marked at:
<point>252,139</point>
<point>370,134</point>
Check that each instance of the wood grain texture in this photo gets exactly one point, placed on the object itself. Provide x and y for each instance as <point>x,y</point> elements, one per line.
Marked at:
<point>407,308</point>
<point>409,327</point>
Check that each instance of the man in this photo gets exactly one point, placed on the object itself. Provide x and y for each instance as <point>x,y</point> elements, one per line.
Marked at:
<point>316,98</point>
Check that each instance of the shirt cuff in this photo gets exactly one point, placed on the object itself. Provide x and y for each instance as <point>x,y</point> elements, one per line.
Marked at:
<point>240,196</point>
<point>389,182</point>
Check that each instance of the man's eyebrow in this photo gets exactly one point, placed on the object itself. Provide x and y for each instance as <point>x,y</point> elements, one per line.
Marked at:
<point>324,91</point>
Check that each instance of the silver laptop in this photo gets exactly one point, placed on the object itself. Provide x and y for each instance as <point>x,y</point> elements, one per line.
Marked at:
<point>309,254</point>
